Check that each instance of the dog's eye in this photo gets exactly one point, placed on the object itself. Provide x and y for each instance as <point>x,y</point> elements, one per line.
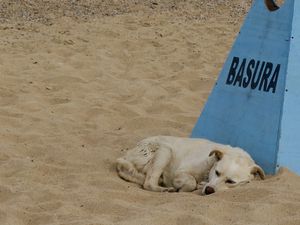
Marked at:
<point>229,181</point>
<point>218,173</point>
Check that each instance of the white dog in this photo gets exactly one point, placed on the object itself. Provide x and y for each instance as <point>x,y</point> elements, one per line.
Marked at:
<point>185,164</point>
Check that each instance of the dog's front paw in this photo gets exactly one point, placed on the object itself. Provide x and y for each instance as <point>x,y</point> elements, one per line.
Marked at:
<point>201,185</point>
<point>169,189</point>
<point>198,192</point>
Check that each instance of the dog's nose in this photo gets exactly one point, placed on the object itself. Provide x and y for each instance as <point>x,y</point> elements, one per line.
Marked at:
<point>209,190</point>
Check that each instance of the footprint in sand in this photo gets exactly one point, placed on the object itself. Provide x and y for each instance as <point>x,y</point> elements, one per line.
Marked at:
<point>57,101</point>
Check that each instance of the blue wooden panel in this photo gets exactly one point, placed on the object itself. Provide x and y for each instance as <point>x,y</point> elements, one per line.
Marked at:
<point>245,106</point>
<point>289,142</point>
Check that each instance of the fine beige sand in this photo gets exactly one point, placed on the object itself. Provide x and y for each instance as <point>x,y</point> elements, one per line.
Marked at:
<point>83,81</point>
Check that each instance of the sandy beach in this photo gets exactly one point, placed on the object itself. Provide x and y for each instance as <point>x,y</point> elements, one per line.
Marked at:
<point>83,81</point>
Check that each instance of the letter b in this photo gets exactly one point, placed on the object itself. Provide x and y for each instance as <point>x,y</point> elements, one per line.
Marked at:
<point>232,70</point>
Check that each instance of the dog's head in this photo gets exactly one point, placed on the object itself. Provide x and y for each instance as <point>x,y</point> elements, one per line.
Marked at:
<point>232,168</point>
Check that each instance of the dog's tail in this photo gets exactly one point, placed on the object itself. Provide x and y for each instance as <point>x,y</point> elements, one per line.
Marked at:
<point>128,172</point>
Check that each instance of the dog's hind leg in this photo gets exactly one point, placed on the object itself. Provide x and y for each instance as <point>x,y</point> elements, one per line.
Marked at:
<point>157,165</point>
<point>127,171</point>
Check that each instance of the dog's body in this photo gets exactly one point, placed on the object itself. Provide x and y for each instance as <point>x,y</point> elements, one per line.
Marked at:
<point>165,163</point>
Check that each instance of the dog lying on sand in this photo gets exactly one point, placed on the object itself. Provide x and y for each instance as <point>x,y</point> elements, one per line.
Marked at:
<point>164,163</point>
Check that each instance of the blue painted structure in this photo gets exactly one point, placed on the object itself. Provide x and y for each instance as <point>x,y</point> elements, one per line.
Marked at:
<point>255,103</point>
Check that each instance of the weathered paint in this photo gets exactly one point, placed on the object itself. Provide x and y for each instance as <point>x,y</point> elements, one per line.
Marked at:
<point>289,142</point>
<point>248,107</point>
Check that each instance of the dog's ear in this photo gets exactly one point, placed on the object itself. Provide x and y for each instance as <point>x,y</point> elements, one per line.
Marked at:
<point>257,170</point>
<point>218,154</point>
